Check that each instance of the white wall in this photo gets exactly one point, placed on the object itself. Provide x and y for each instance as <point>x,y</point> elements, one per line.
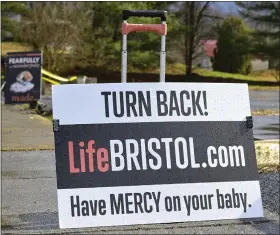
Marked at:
<point>258,64</point>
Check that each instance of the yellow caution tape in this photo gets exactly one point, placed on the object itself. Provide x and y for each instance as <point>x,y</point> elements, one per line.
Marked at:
<point>54,76</point>
<point>73,78</point>
<point>51,81</point>
<point>45,72</point>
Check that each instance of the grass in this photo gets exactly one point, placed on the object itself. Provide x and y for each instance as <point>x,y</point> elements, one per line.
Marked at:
<point>22,106</point>
<point>18,47</point>
<point>257,76</point>
<point>9,221</point>
<point>14,47</point>
<point>276,88</point>
<point>26,149</point>
<point>266,75</point>
<point>251,77</point>
<point>9,173</point>
<point>265,112</point>
<point>179,69</point>
<point>267,154</point>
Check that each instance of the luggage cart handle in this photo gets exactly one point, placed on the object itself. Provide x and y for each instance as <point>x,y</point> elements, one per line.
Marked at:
<point>145,13</point>
<point>158,28</point>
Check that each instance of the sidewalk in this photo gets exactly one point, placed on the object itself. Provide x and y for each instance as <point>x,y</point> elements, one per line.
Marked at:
<point>22,130</point>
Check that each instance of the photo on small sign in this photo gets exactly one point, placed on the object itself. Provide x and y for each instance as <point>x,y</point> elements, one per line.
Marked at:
<point>23,83</point>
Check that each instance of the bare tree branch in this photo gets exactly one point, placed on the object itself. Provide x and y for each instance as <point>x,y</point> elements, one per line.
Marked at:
<point>200,15</point>
<point>53,27</point>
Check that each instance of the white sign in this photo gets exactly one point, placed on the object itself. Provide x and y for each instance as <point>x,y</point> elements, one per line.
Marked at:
<point>154,153</point>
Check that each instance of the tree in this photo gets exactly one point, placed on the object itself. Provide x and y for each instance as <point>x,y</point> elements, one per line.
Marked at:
<point>102,42</point>
<point>232,54</point>
<point>265,16</point>
<point>93,32</point>
<point>9,10</point>
<point>195,20</point>
<point>53,28</point>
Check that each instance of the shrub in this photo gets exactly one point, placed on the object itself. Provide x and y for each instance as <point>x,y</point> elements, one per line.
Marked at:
<point>232,54</point>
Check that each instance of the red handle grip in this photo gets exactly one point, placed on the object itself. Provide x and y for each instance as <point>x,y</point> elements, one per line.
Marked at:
<point>157,28</point>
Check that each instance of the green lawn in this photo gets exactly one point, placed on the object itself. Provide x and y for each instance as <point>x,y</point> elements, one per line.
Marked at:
<point>179,69</point>
<point>250,77</point>
<point>13,47</point>
<point>267,75</point>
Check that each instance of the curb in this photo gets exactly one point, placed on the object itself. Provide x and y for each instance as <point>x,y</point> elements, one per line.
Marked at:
<point>144,227</point>
<point>26,149</point>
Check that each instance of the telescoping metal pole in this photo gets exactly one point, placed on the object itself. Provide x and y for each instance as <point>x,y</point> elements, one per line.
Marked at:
<point>162,57</point>
<point>124,56</point>
<point>158,28</point>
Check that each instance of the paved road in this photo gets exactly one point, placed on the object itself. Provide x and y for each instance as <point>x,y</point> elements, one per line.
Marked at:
<point>262,99</point>
<point>29,202</point>
<point>265,127</point>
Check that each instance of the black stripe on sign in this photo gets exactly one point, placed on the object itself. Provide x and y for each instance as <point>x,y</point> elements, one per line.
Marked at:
<point>224,137</point>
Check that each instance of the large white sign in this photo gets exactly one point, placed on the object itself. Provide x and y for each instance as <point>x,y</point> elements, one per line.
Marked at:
<point>154,153</point>
<point>150,102</point>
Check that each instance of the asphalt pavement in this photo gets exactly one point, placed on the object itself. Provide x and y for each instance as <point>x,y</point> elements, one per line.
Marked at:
<point>29,203</point>
<point>265,126</point>
<point>264,99</point>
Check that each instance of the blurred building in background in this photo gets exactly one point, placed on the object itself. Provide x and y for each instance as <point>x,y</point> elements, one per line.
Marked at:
<point>205,52</point>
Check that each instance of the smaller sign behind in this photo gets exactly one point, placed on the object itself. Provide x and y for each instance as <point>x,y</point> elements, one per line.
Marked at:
<point>23,77</point>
